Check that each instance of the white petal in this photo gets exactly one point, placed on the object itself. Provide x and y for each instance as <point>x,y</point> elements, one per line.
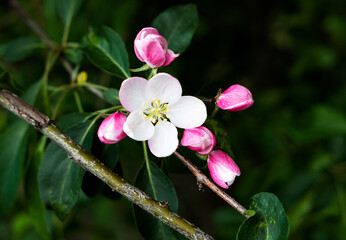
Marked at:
<point>165,140</point>
<point>138,128</point>
<point>163,87</point>
<point>188,112</point>
<point>131,93</point>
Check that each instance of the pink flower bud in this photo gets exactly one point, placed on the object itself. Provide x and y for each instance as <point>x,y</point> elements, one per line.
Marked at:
<point>151,48</point>
<point>199,139</point>
<point>222,168</point>
<point>235,98</point>
<point>111,129</point>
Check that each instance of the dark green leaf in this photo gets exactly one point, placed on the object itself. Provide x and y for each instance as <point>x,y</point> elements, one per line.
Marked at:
<point>19,49</point>
<point>12,154</point>
<point>112,96</point>
<point>106,50</point>
<point>157,185</point>
<point>8,82</point>
<point>35,204</point>
<point>13,145</point>
<point>269,222</point>
<point>31,95</point>
<point>71,119</point>
<point>67,8</point>
<point>60,178</point>
<point>107,154</point>
<point>178,24</point>
<point>51,19</point>
<point>74,54</point>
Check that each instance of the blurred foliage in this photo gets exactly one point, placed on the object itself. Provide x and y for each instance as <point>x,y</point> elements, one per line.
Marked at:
<point>291,142</point>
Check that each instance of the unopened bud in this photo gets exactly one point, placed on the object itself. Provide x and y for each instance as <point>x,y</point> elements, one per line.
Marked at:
<point>222,168</point>
<point>111,129</point>
<point>235,98</point>
<point>199,139</point>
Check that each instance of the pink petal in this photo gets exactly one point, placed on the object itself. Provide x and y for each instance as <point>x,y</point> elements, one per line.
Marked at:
<point>170,56</point>
<point>222,168</point>
<point>153,54</point>
<point>146,31</point>
<point>111,128</point>
<point>235,98</point>
<point>150,47</point>
<point>199,139</point>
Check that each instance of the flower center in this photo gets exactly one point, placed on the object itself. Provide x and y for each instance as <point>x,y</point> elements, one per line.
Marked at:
<point>156,111</point>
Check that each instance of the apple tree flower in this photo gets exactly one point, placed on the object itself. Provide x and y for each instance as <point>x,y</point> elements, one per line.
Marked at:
<point>111,128</point>
<point>152,48</point>
<point>157,108</point>
<point>235,98</point>
<point>222,168</point>
<point>199,139</point>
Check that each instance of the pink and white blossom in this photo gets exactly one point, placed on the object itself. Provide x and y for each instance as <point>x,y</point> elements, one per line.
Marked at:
<point>222,168</point>
<point>152,48</point>
<point>235,98</point>
<point>157,108</point>
<point>199,139</point>
<point>111,129</point>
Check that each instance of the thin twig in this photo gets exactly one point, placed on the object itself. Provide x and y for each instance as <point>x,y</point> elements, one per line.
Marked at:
<point>17,7</point>
<point>30,22</point>
<point>202,178</point>
<point>87,161</point>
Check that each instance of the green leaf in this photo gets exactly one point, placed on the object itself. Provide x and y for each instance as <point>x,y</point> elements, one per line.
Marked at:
<point>8,82</point>
<point>112,96</point>
<point>19,49</point>
<point>59,177</point>
<point>12,154</point>
<point>67,8</point>
<point>178,24</point>
<point>71,119</point>
<point>32,194</point>
<point>270,221</point>
<point>73,54</point>
<point>108,154</point>
<point>157,185</point>
<point>106,50</point>
<point>13,145</point>
<point>31,95</point>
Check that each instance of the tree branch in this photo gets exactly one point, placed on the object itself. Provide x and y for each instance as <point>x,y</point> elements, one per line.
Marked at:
<point>87,161</point>
<point>202,178</point>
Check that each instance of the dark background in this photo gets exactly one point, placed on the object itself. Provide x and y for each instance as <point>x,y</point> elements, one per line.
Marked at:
<point>291,142</point>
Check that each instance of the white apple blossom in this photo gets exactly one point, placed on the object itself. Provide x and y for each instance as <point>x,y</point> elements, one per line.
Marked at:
<point>156,108</point>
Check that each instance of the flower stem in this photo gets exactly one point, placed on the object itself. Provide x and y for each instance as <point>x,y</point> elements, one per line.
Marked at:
<point>60,100</point>
<point>148,168</point>
<point>152,73</point>
<point>93,85</point>
<point>216,108</point>
<point>78,101</point>
<point>143,68</point>
<point>20,11</point>
<point>51,58</point>
<point>202,178</point>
